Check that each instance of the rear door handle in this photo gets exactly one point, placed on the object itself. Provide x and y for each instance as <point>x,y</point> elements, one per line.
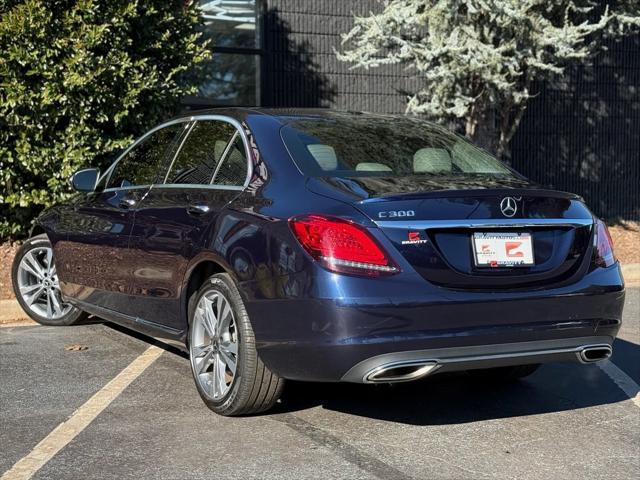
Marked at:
<point>127,203</point>
<point>198,209</point>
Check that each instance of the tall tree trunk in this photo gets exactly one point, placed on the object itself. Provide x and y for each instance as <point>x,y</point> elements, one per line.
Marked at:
<point>481,128</point>
<point>510,121</point>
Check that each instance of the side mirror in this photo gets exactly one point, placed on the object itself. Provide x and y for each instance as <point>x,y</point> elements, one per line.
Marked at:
<point>85,180</point>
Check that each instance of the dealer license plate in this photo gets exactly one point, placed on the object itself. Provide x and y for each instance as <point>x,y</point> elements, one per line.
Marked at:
<point>503,249</point>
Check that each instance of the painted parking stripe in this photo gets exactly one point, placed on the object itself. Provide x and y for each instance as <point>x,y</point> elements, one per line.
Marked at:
<point>81,418</point>
<point>622,380</point>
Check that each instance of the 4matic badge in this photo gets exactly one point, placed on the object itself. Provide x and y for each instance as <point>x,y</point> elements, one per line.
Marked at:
<point>414,238</point>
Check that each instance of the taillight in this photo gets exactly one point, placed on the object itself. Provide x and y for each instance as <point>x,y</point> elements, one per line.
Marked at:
<point>603,246</point>
<point>342,246</point>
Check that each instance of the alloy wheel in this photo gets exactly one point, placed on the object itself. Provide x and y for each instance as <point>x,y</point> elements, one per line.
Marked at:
<point>214,345</point>
<point>39,286</point>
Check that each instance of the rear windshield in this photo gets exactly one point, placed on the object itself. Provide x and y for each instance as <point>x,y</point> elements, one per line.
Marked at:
<point>383,146</point>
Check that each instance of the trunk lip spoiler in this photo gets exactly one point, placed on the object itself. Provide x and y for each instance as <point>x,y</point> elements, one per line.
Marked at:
<point>468,192</point>
<point>485,223</point>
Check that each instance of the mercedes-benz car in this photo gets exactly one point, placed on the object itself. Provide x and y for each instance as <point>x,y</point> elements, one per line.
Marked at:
<point>325,246</point>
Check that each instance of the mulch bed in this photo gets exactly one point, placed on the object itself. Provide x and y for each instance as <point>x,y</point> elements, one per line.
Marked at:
<point>626,241</point>
<point>7,252</point>
<point>625,235</point>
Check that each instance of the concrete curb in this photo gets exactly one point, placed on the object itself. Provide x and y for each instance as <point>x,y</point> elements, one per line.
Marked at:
<point>11,312</point>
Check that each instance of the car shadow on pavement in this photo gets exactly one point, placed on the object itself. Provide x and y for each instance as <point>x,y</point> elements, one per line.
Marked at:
<point>626,355</point>
<point>456,398</point>
<point>462,398</point>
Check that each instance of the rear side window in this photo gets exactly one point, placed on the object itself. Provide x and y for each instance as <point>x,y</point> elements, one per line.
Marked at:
<point>233,169</point>
<point>200,153</point>
<point>146,162</point>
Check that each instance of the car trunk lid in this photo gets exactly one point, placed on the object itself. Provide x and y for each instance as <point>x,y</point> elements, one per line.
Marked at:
<point>432,222</point>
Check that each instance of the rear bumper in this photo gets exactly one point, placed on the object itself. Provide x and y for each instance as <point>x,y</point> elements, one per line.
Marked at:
<point>324,335</point>
<point>420,363</point>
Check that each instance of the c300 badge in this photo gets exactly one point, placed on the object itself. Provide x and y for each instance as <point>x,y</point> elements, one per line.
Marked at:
<point>414,239</point>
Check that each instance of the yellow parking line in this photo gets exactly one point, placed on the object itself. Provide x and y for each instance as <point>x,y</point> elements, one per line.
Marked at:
<point>65,432</point>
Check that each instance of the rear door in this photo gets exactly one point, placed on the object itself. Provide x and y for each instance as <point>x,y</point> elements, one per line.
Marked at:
<point>179,213</point>
<point>95,259</point>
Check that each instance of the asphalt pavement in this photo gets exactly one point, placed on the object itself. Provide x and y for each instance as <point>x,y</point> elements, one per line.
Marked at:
<point>566,421</point>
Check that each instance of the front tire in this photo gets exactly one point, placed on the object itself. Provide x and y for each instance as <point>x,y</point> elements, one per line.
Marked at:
<point>230,377</point>
<point>35,284</point>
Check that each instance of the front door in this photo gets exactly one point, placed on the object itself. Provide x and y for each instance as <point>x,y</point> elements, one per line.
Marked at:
<point>94,262</point>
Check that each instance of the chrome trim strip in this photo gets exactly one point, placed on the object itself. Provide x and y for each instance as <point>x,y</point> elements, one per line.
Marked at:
<point>485,223</point>
<point>193,118</point>
<point>223,157</point>
<point>178,150</point>
<point>109,170</point>
<point>245,140</point>
<point>479,358</point>
<point>160,186</point>
<point>131,187</point>
<point>513,355</point>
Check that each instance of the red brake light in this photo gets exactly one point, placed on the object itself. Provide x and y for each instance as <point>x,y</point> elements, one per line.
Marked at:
<point>603,246</point>
<point>342,246</point>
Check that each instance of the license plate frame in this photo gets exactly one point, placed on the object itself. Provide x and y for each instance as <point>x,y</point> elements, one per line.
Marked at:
<point>503,249</point>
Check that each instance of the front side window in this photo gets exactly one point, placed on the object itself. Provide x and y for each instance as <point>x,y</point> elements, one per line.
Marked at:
<point>351,146</point>
<point>145,163</point>
<point>200,153</point>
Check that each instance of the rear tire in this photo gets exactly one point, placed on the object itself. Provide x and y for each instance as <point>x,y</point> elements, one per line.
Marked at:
<point>35,284</point>
<point>230,377</point>
<point>505,374</point>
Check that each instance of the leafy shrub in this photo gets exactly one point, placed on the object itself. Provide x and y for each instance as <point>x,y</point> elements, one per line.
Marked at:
<point>79,79</point>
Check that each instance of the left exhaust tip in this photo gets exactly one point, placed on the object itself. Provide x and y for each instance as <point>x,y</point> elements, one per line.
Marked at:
<point>400,372</point>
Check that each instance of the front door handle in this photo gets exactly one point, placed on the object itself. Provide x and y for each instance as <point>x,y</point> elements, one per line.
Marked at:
<point>127,203</point>
<point>198,209</point>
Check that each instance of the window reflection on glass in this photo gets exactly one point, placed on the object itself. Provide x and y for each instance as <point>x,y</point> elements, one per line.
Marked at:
<point>200,153</point>
<point>231,79</point>
<point>230,23</point>
<point>233,170</point>
<point>144,163</point>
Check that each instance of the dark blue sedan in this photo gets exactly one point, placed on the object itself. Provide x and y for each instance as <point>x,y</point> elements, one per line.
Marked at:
<point>325,246</point>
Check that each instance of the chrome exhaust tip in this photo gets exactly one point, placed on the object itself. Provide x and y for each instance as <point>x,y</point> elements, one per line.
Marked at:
<point>400,371</point>
<point>595,353</point>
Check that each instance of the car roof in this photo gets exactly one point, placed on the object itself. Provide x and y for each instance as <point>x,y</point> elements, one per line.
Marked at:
<point>282,115</point>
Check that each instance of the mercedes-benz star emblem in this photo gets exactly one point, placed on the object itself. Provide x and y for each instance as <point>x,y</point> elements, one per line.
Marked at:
<point>509,206</point>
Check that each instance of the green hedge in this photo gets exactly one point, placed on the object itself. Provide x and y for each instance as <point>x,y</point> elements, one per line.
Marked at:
<point>79,79</point>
